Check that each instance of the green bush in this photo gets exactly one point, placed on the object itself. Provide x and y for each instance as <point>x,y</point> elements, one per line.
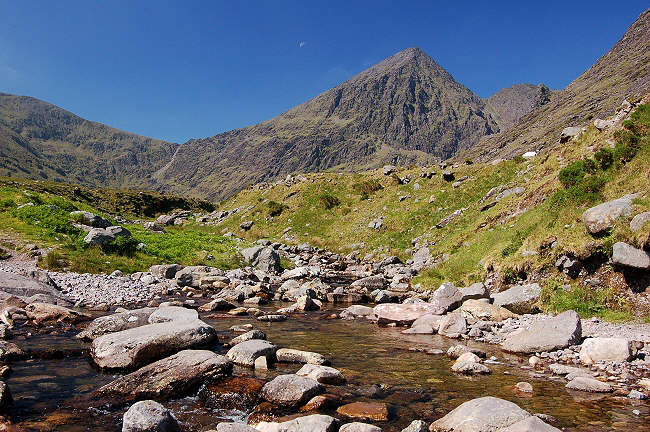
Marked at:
<point>573,174</point>
<point>518,159</point>
<point>122,245</point>
<point>367,188</point>
<point>7,203</point>
<point>604,157</point>
<point>275,208</point>
<point>328,200</point>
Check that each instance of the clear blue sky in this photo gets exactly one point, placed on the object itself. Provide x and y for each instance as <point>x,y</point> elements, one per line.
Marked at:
<point>187,69</point>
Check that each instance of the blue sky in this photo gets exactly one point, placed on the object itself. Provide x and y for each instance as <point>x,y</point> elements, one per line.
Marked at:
<point>189,69</point>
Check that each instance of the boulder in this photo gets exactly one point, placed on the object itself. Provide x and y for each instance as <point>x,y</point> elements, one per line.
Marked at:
<point>141,345</point>
<point>426,324</point>
<point>359,427</point>
<point>149,416</point>
<point>216,305</point>
<point>90,219</point>
<point>629,256</point>
<point>165,271</point>
<point>603,216</point>
<point>12,284</point>
<point>264,258</point>
<point>288,355</point>
<point>458,350</point>
<point>305,303</point>
<point>445,298</point>
<point>590,385</point>
<point>371,283</point>
<point>357,311</point>
<point>250,335</point>
<point>546,335</point>
<point>388,169</point>
<point>452,325</point>
<point>482,311</point>
<point>606,349</point>
<point>322,374</point>
<point>475,291</point>
<point>601,124</point>
<point>416,426</point>
<point>104,236</point>
<point>373,411</point>
<point>172,313</point>
<point>234,427</point>
<point>639,221</point>
<point>310,423</point>
<point>530,424</point>
<point>470,368</point>
<point>116,322</point>
<point>246,352</point>
<point>402,314</point>
<point>172,377</point>
<point>486,414</point>
<point>232,393</point>
<point>290,390</point>
<point>569,133</point>
<point>10,351</point>
<point>520,299</point>
<point>45,312</point>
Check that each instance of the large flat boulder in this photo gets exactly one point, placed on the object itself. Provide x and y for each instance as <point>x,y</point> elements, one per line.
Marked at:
<point>172,313</point>
<point>116,322</point>
<point>629,256</point>
<point>530,424</point>
<point>605,349</point>
<point>402,314</point>
<point>445,298</point>
<point>172,377</point>
<point>589,385</point>
<point>546,335</point>
<point>322,374</point>
<point>245,353</point>
<point>603,216</point>
<point>141,345</point>
<point>289,355</point>
<point>291,390</point>
<point>24,287</point>
<point>486,414</point>
<point>45,312</point>
<point>520,299</point>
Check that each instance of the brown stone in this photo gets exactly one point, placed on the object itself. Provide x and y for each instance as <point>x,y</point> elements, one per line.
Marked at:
<point>233,392</point>
<point>321,402</point>
<point>375,411</point>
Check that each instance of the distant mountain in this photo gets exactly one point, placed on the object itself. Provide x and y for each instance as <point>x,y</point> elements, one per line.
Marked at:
<point>509,105</point>
<point>42,141</point>
<point>624,72</point>
<point>404,109</point>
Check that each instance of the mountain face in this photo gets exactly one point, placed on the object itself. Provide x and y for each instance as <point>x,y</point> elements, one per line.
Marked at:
<point>39,140</point>
<point>405,109</point>
<point>624,72</point>
<point>509,105</point>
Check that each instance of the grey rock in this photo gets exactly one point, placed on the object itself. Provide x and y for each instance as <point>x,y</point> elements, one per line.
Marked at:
<point>603,216</point>
<point>235,427</point>
<point>388,169</point>
<point>629,256</point>
<point>172,313</point>
<point>402,314</point>
<point>116,322</point>
<point>288,355</point>
<point>639,221</point>
<point>165,271</point>
<point>359,427</point>
<point>264,258</point>
<point>310,423</point>
<point>416,426</point>
<point>90,219</point>
<point>531,424</point>
<point>452,325</point>
<point>568,133</point>
<point>445,298</point>
<point>475,291</point>
<point>605,349</point>
<point>322,374</point>
<point>546,335</point>
<point>250,335</point>
<point>520,299</point>
<point>149,416</point>
<point>486,414</point>
<point>590,385</point>
<point>246,352</point>
<point>290,390</point>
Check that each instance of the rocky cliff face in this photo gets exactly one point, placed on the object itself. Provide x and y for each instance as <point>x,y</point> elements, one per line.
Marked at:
<point>406,108</point>
<point>509,105</point>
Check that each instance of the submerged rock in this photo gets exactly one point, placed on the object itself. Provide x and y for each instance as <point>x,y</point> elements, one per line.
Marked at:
<point>375,411</point>
<point>149,416</point>
<point>116,322</point>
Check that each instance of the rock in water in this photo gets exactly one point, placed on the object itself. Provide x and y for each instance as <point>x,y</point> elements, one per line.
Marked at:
<point>547,335</point>
<point>291,390</point>
<point>359,427</point>
<point>402,314</point>
<point>141,345</point>
<point>172,377</point>
<point>116,322</point>
<point>322,374</point>
<point>149,416</point>
<point>591,385</point>
<point>235,427</point>
<point>372,411</point>
<point>296,356</point>
<point>416,426</point>
<point>486,414</point>
<point>245,353</point>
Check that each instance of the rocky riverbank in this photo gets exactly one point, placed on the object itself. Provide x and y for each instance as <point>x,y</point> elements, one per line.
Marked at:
<point>169,344</point>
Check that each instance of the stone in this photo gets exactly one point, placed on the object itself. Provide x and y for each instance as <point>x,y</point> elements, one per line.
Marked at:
<point>272,318</point>
<point>249,335</point>
<point>629,256</point>
<point>546,335</point>
<point>417,426</point>
<point>520,299</point>
<point>165,271</point>
<point>90,219</point>
<point>376,223</point>
<point>426,324</point>
<point>104,236</point>
<point>234,427</point>
<point>172,313</point>
<point>373,411</point>
<point>529,155</point>
<point>607,349</point>
<point>448,219</point>
<point>402,314</point>
<point>445,298</point>
<point>569,133</point>
<point>141,345</point>
<point>639,221</point>
<point>310,423</point>
<point>237,392</point>
<point>216,305</point>
<point>470,368</point>
<point>45,312</point>
<point>246,352</point>
<point>457,350</point>
<point>371,283</point>
<point>524,387</point>
<point>264,258</point>
<point>290,390</point>
<point>357,311</point>
<point>452,325</point>
<point>116,322</point>
<point>635,394</point>
<point>359,427</point>
<point>170,378</point>
<point>485,414</point>
<point>601,124</point>
<point>475,291</point>
<point>261,363</point>
<point>324,401</point>
<point>10,351</point>
<point>603,216</point>
<point>305,303</point>
<point>288,355</point>
<point>149,416</point>
<point>388,169</point>
<point>246,225</point>
<point>561,369</point>
<point>5,396</point>
<point>322,374</point>
<point>477,310</point>
<point>530,424</point>
<point>590,385</point>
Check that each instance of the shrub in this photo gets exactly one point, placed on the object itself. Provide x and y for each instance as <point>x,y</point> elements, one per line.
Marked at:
<point>52,261</point>
<point>572,174</point>
<point>518,159</point>
<point>275,208</point>
<point>7,203</point>
<point>328,200</point>
<point>604,157</point>
<point>4,254</point>
<point>122,245</point>
<point>367,187</point>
